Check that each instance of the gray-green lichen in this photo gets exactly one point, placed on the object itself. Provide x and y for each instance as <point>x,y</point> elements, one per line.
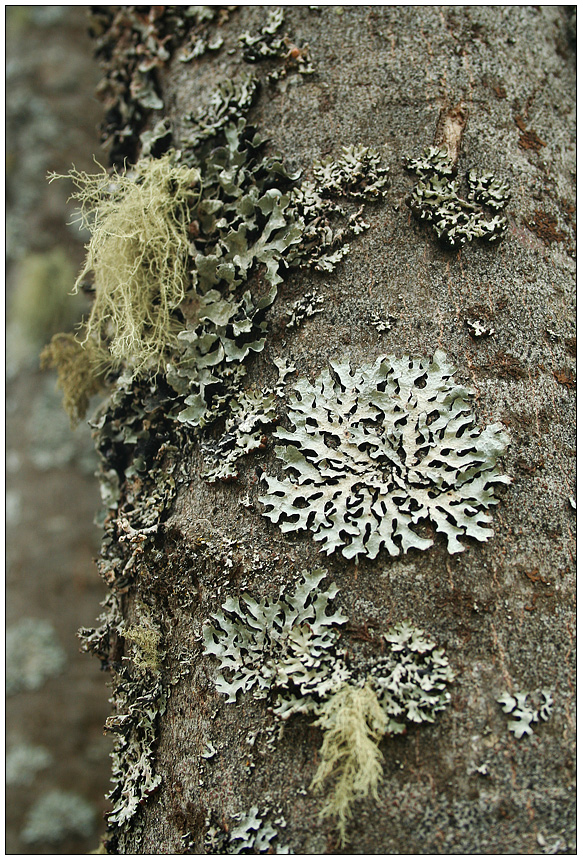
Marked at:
<point>523,712</point>
<point>268,43</point>
<point>374,452</point>
<point>289,652</point>
<point>33,655</point>
<point>140,701</point>
<point>285,647</point>
<point>436,199</point>
<point>250,414</point>
<point>249,834</point>
<point>58,815</point>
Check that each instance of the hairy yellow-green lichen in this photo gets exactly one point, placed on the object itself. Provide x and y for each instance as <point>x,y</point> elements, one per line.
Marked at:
<point>353,723</point>
<point>137,256</point>
<point>148,655</point>
<point>77,376</point>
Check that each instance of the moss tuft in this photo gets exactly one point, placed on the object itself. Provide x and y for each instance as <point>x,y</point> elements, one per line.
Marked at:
<point>137,256</point>
<point>353,723</point>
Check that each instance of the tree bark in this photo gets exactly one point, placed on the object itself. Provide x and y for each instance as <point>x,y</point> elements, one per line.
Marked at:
<point>495,87</point>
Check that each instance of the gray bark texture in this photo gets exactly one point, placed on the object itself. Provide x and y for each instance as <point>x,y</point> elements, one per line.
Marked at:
<point>496,86</point>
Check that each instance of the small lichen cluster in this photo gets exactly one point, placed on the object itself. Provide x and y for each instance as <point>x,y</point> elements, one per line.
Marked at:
<point>270,44</point>
<point>377,451</point>
<point>250,414</point>
<point>408,685</point>
<point>140,699</point>
<point>289,652</point>
<point>455,220</point>
<point>250,836</point>
<point>523,713</point>
<point>285,649</point>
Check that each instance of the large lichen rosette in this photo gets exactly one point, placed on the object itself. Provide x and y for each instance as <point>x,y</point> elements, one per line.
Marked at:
<point>376,453</point>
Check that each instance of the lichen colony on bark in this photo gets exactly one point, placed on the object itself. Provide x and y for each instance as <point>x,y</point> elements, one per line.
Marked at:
<point>307,354</point>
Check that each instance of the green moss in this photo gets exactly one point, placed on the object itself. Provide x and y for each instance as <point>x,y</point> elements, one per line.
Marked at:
<point>137,256</point>
<point>354,723</point>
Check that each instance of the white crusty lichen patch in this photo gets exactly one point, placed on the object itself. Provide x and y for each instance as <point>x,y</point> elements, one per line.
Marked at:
<point>289,651</point>
<point>374,453</point>
<point>523,713</point>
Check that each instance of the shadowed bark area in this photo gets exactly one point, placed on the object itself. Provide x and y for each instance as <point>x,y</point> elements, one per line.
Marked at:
<point>485,82</point>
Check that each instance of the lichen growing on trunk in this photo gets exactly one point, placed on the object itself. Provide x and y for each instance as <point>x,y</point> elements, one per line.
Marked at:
<point>137,256</point>
<point>353,723</point>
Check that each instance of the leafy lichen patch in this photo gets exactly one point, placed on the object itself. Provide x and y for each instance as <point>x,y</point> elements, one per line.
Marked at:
<point>436,199</point>
<point>289,652</point>
<point>249,834</point>
<point>523,713</point>
<point>375,452</point>
<point>250,415</point>
<point>284,648</point>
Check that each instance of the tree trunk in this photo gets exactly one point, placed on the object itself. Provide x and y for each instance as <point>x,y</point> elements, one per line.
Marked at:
<point>206,763</point>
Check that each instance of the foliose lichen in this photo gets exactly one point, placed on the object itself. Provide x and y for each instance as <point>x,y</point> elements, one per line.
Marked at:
<point>289,652</point>
<point>376,451</point>
<point>140,699</point>
<point>250,414</point>
<point>285,648</point>
<point>132,43</point>
<point>251,835</point>
<point>523,712</point>
<point>268,43</point>
<point>436,199</point>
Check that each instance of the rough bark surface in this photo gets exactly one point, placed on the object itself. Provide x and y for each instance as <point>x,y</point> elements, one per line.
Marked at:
<point>497,83</point>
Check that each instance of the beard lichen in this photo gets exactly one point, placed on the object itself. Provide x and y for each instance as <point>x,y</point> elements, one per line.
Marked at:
<point>353,723</point>
<point>77,376</point>
<point>137,257</point>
